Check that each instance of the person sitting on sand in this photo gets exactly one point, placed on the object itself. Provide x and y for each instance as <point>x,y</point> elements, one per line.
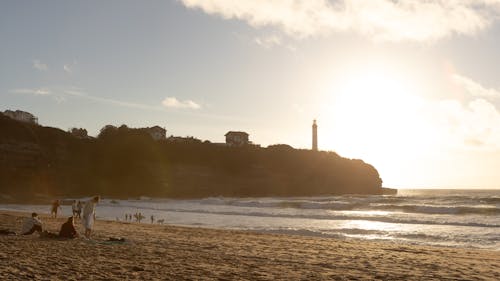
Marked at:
<point>68,229</point>
<point>55,206</point>
<point>31,225</point>
<point>89,215</point>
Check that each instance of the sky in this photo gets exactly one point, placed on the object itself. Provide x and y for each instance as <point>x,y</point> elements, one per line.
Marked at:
<point>408,86</point>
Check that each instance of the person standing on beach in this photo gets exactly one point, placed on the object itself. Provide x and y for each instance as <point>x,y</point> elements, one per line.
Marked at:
<point>152,219</point>
<point>89,215</point>
<point>74,208</point>
<point>79,207</point>
<point>55,206</point>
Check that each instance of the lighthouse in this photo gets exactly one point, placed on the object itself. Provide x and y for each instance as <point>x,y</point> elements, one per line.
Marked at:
<point>314,136</point>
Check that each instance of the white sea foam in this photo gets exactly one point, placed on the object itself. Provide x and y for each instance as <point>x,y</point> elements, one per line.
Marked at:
<point>430,217</point>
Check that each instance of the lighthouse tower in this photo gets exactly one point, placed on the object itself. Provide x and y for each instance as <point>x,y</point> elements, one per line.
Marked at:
<point>314,136</point>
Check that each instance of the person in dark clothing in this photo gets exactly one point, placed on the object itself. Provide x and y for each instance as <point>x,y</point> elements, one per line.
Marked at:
<point>68,229</point>
<point>56,205</point>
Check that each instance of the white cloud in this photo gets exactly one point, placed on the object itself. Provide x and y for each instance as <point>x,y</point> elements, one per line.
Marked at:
<point>472,124</point>
<point>414,20</point>
<point>268,42</point>
<point>67,68</point>
<point>474,88</point>
<point>173,102</point>
<point>31,91</point>
<point>40,66</point>
<point>61,95</point>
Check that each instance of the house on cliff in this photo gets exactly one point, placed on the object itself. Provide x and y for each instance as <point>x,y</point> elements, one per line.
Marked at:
<point>235,138</point>
<point>22,116</point>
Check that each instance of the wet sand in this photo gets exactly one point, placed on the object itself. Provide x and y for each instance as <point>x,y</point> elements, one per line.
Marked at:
<point>163,252</point>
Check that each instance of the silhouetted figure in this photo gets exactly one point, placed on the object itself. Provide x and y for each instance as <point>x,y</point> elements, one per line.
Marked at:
<point>55,206</point>
<point>31,225</point>
<point>79,207</point>
<point>152,219</point>
<point>74,208</point>
<point>68,229</point>
<point>89,215</point>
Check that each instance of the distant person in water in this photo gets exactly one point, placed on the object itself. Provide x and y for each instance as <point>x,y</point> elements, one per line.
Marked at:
<point>31,225</point>
<point>89,215</point>
<point>152,219</point>
<point>68,229</point>
<point>55,206</point>
<point>79,207</point>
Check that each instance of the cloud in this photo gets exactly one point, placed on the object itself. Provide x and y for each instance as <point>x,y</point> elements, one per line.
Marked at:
<point>173,102</point>
<point>81,94</point>
<point>268,42</point>
<point>474,123</point>
<point>41,92</point>
<point>474,88</point>
<point>62,94</point>
<point>40,66</point>
<point>67,68</point>
<point>412,20</point>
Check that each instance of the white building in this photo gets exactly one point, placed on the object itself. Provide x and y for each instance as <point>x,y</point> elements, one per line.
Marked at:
<point>22,116</point>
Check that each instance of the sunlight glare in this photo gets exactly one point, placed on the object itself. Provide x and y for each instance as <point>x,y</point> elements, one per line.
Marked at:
<point>377,116</point>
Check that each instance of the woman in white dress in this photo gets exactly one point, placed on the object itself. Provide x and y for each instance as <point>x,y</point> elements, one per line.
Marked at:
<point>89,215</point>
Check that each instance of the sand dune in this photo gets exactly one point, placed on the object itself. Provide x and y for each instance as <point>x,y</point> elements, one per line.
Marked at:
<point>162,252</point>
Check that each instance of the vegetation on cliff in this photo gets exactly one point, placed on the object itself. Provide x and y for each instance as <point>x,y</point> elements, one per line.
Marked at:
<point>124,162</point>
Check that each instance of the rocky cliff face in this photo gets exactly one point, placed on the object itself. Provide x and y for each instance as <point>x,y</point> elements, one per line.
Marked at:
<point>35,159</point>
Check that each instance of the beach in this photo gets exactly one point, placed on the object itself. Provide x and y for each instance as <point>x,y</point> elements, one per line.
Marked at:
<point>164,252</point>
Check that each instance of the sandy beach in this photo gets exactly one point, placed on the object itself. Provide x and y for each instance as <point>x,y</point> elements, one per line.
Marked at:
<point>163,252</point>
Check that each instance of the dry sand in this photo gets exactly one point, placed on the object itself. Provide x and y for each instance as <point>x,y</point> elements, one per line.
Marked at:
<point>162,252</point>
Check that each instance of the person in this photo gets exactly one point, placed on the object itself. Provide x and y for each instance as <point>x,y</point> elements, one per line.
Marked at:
<point>55,206</point>
<point>68,229</point>
<point>152,219</point>
<point>74,208</point>
<point>89,215</point>
<point>79,207</point>
<point>31,225</point>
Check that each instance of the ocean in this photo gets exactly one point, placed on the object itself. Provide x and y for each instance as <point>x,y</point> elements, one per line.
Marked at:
<point>453,218</point>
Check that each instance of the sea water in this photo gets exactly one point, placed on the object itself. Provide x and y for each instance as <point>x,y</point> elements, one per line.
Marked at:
<point>455,218</point>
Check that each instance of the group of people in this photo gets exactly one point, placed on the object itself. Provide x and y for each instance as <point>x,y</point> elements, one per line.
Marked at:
<point>76,207</point>
<point>138,217</point>
<point>67,229</point>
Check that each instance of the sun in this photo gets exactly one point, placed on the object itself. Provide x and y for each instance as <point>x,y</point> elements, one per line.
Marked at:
<point>378,116</point>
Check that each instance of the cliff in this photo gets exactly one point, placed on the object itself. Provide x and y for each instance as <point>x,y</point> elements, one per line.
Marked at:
<point>128,162</point>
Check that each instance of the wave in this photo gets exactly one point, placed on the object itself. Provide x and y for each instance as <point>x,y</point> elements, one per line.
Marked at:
<point>321,216</point>
<point>456,205</point>
<point>430,209</point>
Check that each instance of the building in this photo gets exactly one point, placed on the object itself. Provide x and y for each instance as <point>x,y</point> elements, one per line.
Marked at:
<point>22,116</point>
<point>157,132</point>
<point>314,136</point>
<point>79,133</point>
<point>234,138</point>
